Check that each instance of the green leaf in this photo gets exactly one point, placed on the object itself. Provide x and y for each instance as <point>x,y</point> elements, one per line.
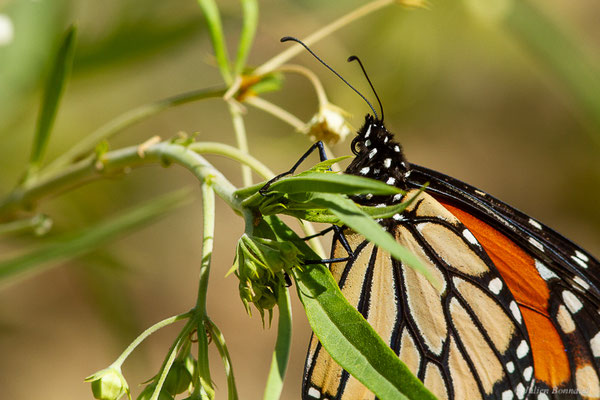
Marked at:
<point>283,345</point>
<point>250,9</point>
<point>346,335</point>
<point>330,182</point>
<point>52,93</point>
<point>213,19</point>
<point>356,219</point>
<point>76,243</point>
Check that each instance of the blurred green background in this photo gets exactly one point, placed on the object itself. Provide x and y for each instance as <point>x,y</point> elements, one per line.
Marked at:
<point>466,92</point>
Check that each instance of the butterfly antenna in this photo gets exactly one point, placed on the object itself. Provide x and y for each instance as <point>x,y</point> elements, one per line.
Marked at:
<point>288,38</point>
<point>355,58</point>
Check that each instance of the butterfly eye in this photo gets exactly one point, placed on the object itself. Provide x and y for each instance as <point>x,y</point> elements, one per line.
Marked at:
<point>354,146</point>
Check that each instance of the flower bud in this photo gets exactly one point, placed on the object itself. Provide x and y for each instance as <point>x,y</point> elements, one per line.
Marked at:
<point>328,125</point>
<point>179,377</point>
<point>147,394</point>
<point>108,384</point>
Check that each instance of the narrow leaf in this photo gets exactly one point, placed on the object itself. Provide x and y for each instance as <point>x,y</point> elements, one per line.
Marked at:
<point>76,243</point>
<point>283,345</point>
<point>346,335</point>
<point>52,94</point>
<point>213,19</point>
<point>250,9</point>
<point>332,183</point>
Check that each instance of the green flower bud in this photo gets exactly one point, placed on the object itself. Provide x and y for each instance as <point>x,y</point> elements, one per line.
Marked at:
<point>179,378</point>
<point>108,384</point>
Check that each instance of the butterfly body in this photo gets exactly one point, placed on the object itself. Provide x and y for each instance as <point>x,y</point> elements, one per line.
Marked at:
<point>518,314</point>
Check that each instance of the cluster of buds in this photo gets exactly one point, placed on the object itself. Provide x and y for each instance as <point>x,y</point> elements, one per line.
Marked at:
<point>329,125</point>
<point>260,265</point>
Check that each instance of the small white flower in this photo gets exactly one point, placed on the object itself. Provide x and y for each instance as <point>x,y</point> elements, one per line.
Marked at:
<point>329,124</point>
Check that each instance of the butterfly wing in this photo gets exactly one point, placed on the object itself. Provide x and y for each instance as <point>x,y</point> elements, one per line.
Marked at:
<point>555,283</point>
<point>466,342</point>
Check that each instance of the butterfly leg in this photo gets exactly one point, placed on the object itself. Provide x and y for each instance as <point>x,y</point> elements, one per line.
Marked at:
<point>318,145</point>
<point>339,235</point>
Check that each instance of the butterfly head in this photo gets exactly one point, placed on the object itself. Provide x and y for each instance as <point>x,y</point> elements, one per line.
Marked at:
<point>378,156</point>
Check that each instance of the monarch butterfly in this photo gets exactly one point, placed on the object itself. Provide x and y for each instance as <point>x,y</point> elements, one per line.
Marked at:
<point>519,312</point>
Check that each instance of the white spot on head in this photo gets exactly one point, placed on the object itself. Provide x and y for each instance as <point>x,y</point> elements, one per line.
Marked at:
<point>535,224</point>
<point>398,217</point>
<point>7,30</point>
<point>544,272</point>
<point>368,132</point>
<point>595,345</point>
<point>514,308</point>
<point>520,391</point>
<point>372,153</point>
<point>495,285</point>
<point>581,282</point>
<point>387,163</point>
<point>397,149</point>
<point>364,171</point>
<point>510,367</point>
<point>369,196</point>
<point>391,181</point>
<point>508,395</point>
<point>385,140</point>
<point>571,301</point>
<point>367,142</point>
<point>469,236</point>
<point>581,256</point>
<point>397,197</point>
<point>528,373</point>
<point>523,349</point>
<point>313,392</point>
<point>579,261</point>
<point>537,244</point>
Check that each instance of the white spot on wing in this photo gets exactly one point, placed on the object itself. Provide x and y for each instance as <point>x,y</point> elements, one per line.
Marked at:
<point>535,224</point>
<point>398,217</point>
<point>364,170</point>
<point>495,285</point>
<point>372,153</point>
<point>387,163</point>
<point>369,196</point>
<point>469,236</point>
<point>595,345</point>
<point>508,395</point>
<point>537,244</point>
<point>380,205</point>
<point>314,393</point>
<point>514,308</point>
<point>544,272</point>
<point>385,140</point>
<point>397,197</point>
<point>581,282</point>
<point>528,373</point>
<point>579,261</point>
<point>391,181</point>
<point>407,173</point>
<point>510,367</point>
<point>520,391</point>
<point>479,192</point>
<point>581,256</point>
<point>571,301</point>
<point>523,349</point>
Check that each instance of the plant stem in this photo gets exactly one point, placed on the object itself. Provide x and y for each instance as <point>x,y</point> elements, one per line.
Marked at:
<point>311,76</point>
<point>219,341</point>
<point>148,332</point>
<point>241,139</point>
<point>208,216</point>
<point>250,8</point>
<point>233,153</point>
<point>124,121</point>
<point>276,111</point>
<point>294,50</point>
<point>116,162</point>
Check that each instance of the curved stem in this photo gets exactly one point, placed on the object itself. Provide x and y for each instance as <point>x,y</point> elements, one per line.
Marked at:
<point>276,111</point>
<point>148,332</point>
<point>241,139</point>
<point>312,77</point>
<point>116,162</point>
<point>126,120</point>
<point>294,50</point>
<point>233,153</point>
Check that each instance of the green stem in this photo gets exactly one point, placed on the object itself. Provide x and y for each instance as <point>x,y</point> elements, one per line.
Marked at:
<point>39,224</point>
<point>208,216</point>
<point>213,19</point>
<point>233,153</point>
<point>250,10</point>
<point>167,321</point>
<point>296,49</point>
<point>116,162</point>
<point>241,139</point>
<point>126,120</point>
<point>219,341</point>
